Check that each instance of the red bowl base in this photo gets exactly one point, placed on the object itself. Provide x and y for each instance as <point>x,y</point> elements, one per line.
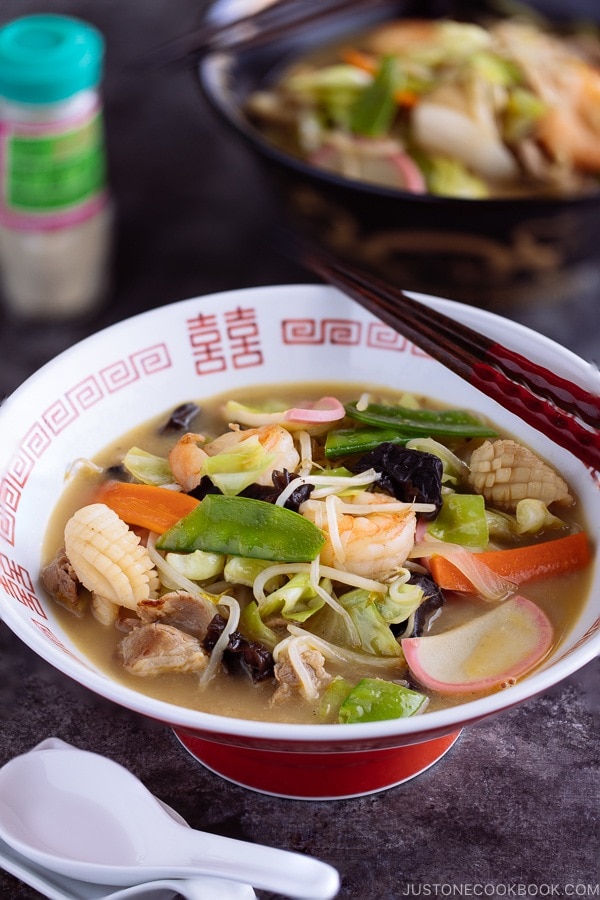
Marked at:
<point>317,776</point>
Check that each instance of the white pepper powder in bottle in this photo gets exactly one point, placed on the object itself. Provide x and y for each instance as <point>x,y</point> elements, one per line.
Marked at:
<point>55,218</point>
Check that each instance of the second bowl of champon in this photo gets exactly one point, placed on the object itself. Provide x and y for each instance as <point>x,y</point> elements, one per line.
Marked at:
<point>497,253</point>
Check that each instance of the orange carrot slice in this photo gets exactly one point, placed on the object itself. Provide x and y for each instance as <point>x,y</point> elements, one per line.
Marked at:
<point>146,505</point>
<point>406,97</point>
<point>520,564</point>
<point>360,59</point>
<point>368,63</point>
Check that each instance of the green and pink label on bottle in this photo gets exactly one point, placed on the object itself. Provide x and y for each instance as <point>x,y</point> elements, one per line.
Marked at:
<point>52,174</point>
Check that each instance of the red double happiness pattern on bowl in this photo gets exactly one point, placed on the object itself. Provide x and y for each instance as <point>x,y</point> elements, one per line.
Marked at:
<point>219,342</point>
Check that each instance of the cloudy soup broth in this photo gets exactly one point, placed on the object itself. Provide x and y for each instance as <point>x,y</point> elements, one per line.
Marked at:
<point>360,630</point>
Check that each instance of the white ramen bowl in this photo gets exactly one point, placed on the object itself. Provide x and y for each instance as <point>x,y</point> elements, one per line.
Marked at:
<point>119,378</point>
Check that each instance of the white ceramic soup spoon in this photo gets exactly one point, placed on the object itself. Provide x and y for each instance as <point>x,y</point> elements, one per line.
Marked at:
<point>55,886</point>
<point>59,887</point>
<point>87,817</point>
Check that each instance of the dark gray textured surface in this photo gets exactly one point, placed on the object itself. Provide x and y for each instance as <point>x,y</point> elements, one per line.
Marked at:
<point>515,802</point>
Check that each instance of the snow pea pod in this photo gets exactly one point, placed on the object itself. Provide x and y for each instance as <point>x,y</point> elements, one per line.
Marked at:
<point>374,699</point>
<point>457,423</point>
<point>374,110</point>
<point>240,526</point>
<point>345,441</point>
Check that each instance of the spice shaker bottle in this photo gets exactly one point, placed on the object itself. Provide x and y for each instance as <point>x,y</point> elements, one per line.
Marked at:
<point>54,207</point>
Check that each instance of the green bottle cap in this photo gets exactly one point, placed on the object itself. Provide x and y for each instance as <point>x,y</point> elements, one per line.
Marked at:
<point>48,58</point>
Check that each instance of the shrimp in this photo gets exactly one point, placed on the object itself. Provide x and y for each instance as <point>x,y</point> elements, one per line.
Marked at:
<point>571,131</point>
<point>186,460</point>
<point>275,439</point>
<point>568,85</point>
<point>373,545</point>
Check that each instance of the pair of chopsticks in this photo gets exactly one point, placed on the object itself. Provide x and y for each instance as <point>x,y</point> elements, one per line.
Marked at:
<point>272,20</point>
<point>563,411</point>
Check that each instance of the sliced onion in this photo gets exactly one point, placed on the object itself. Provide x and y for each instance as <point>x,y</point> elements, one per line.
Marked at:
<point>486,583</point>
<point>421,530</point>
<point>327,409</point>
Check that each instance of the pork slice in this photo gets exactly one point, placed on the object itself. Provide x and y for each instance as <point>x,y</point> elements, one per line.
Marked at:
<point>61,582</point>
<point>289,683</point>
<point>157,649</point>
<point>180,609</point>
